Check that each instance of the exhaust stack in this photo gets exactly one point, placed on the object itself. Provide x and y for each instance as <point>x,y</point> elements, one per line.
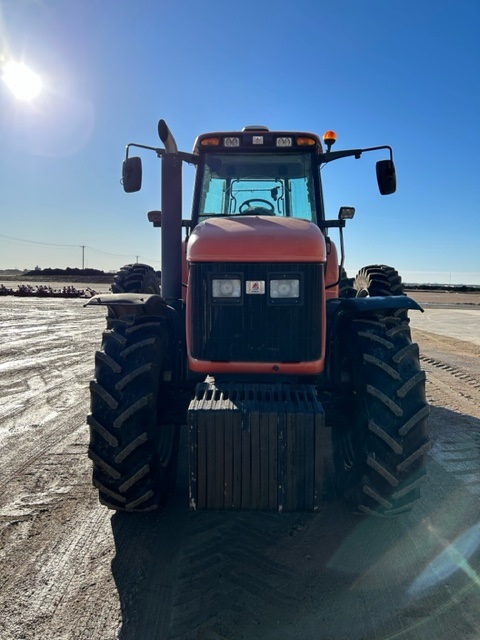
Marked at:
<point>166,137</point>
<point>171,218</point>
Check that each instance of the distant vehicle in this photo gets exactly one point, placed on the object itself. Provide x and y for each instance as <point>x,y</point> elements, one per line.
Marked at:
<point>258,341</point>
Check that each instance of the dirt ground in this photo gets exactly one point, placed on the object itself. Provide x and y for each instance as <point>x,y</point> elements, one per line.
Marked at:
<point>71,569</point>
<point>447,299</point>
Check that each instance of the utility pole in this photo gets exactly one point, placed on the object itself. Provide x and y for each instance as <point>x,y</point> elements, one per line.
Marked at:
<point>83,255</point>
<point>136,259</point>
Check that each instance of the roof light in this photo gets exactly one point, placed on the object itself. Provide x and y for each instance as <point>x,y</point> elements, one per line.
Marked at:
<point>210,142</point>
<point>306,142</point>
<point>284,141</point>
<point>329,137</point>
<point>231,142</point>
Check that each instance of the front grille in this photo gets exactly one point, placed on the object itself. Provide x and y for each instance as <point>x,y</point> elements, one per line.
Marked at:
<point>255,329</point>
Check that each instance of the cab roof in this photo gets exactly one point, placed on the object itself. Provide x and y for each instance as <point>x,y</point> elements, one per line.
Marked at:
<point>257,138</point>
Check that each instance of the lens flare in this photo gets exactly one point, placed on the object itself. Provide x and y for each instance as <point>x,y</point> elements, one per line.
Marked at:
<point>454,557</point>
<point>24,83</point>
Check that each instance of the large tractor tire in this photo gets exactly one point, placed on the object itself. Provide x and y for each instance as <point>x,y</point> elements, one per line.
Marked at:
<point>345,287</point>
<point>378,280</point>
<point>134,455</point>
<point>381,443</point>
<point>136,278</point>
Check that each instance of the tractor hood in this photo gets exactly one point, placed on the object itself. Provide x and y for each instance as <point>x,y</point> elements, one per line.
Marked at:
<point>256,239</point>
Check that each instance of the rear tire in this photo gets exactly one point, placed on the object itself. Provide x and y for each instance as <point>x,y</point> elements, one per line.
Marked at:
<point>346,288</point>
<point>134,455</point>
<point>136,278</point>
<point>133,278</point>
<point>378,280</point>
<point>380,446</point>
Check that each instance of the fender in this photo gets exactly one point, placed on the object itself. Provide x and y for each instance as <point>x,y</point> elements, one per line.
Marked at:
<point>134,304</point>
<point>123,305</point>
<point>352,306</point>
<point>342,311</point>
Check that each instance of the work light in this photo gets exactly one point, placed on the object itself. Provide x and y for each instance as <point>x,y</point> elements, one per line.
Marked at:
<point>285,288</point>
<point>231,141</point>
<point>226,288</point>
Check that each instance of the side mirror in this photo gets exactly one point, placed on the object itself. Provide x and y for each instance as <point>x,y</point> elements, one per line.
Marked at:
<point>386,177</point>
<point>132,174</point>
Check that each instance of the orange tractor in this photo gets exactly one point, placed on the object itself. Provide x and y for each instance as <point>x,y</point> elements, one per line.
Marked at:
<point>256,343</point>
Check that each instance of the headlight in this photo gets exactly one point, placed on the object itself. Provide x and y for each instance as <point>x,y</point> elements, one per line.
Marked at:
<point>226,288</point>
<point>285,288</point>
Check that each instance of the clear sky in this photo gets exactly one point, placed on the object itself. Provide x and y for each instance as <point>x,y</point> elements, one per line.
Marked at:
<point>377,72</point>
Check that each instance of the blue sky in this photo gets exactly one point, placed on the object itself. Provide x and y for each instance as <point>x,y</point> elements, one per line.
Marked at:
<point>377,72</point>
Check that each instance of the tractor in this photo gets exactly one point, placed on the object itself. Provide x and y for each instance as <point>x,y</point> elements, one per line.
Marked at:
<point>278,369</point>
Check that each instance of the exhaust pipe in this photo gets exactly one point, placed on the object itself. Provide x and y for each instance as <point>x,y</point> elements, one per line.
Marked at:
<point>171,219</point>
<point>166,137</point>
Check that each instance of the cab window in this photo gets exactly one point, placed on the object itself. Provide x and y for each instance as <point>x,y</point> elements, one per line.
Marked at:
<point>257,184</point>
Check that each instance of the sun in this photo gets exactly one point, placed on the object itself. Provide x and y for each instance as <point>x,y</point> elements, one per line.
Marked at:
<point>24,83</point>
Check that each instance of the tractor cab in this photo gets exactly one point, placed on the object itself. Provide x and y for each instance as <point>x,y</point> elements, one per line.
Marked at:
<point>257,172</point>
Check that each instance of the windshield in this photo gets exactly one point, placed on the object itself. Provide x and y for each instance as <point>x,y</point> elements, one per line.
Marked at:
<point>258,184</point>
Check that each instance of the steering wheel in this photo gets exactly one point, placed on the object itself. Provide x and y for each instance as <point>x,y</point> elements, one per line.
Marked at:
<point>248,205</point>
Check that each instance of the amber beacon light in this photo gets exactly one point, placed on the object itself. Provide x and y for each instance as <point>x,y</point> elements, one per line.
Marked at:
<point>329,138</point>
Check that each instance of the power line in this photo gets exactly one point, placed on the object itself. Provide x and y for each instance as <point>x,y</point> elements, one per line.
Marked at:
<point>121,255</point>
<point>50,244</point>
<point>81,246</point>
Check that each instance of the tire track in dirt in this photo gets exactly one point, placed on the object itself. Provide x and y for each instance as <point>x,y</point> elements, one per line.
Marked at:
<point>470,385</point>
<point>59,539</point>
<point>55,539</point>
<point>453,383</point>
<point>45,419</point>
<point>211,576</point>
<point>453,372</point>
<point>43,379</point>
<point>226,575</point>
<point>58,579</point>
<point>231,576</point>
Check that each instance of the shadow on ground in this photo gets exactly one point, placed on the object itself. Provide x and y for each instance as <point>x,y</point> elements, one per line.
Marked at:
<point>261,576</point>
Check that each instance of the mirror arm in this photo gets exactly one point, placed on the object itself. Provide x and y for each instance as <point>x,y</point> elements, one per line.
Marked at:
<point>342,253</point>
<point>186,157</point>
<point>190,158</point>
<point>329,156</point>
<point>159,152</point>
<point>327,224</point>
<point>384,146</point>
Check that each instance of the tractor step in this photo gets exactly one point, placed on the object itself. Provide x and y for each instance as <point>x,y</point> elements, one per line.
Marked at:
<point>256,447</point>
